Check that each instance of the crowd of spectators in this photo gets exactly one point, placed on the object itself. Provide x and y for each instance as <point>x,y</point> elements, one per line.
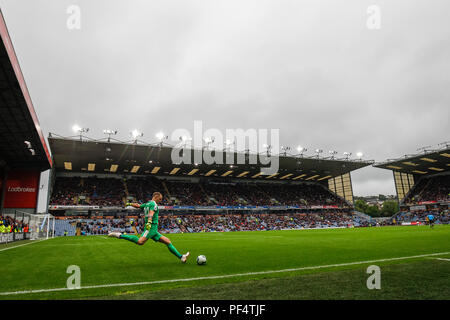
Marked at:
<point>430,189</point>
<point>104,226</point>
<point>171,223</point>
<point>254,222</point>
<point>9,225</point>
<point>88,191</point>
<point>115,192</point>
<point>440,215</point>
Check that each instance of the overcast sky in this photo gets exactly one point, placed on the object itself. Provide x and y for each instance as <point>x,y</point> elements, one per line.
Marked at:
<point>311,68</point>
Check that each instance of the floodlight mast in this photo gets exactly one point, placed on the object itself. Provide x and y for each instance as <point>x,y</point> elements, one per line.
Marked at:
<point>80,130</point>
<point>347,155</point>
<point>332,153</point>
<point>301,150</point>
<point>318,151</point>
<point>185,140</point>
<point>109,133</point>
<point>445,143</point>
<point>135,134</point>
<point>285,149</point>
<point>161,137</point>
<point>228,143</point>
<point>424,149</point>
<point>268,147</point>
<point>209,141</point>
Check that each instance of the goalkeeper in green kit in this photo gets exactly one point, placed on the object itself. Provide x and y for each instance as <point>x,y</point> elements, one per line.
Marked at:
<point>151,212</point>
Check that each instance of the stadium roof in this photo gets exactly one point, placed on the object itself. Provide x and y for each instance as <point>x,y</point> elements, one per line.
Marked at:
<point>22,143</point>
<point>425,163</point>
<point>100,156</point>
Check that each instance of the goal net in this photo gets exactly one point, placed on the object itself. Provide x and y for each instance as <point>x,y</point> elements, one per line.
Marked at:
<point>26,226</point>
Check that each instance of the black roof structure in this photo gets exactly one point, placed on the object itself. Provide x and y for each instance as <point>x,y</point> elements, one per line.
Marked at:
<point>82,154</point>
<point>428,162</point>
<point>22,144</point>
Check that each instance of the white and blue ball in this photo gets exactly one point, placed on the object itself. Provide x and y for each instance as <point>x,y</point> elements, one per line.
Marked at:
<point>201,260</point>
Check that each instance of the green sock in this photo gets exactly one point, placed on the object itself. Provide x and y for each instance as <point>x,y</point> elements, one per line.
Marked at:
<point>129,238</point>
<point>174,251</point>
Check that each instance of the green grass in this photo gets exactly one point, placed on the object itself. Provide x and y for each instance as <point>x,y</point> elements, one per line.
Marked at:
<point>103,260</point>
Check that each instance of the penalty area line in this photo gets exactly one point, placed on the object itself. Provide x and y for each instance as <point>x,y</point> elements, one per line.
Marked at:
<point>221,276</point>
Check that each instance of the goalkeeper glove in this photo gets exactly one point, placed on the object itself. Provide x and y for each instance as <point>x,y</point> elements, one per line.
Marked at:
<point>148,225</point>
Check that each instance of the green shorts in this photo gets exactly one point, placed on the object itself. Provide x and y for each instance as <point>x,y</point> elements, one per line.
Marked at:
<point>152,233</point>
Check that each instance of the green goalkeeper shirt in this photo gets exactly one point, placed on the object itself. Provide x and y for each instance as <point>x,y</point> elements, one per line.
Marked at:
<point>151,205</point>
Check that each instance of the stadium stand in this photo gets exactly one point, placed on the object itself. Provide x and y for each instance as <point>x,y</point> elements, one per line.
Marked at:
<point>113,192</point>
<point>435,188</point>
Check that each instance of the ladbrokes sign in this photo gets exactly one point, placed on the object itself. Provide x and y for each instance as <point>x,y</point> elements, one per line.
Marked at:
<point>21,189</point>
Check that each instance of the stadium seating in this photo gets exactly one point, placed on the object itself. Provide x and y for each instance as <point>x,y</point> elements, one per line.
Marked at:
<point>61,226</point>
<point>441,216</point>
<point>430,189</point>
<point>113,192</point>
<point>171,223</point>
<point>88,191</point>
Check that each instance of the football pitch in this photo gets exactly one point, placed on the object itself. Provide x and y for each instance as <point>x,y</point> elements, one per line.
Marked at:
<point>414,263</point>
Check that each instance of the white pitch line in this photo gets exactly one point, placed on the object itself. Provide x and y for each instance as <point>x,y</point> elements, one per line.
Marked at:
<point>221,276</point>
<point>442,259</point>
<point>21,245</point>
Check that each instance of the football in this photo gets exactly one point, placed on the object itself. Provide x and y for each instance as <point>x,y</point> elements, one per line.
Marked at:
<point>201,260</point>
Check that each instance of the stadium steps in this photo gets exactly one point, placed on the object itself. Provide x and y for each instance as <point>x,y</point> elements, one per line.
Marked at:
<point>125,187</point>
<point>166,189</point>
<point>362,215</point>
<point>424,188</point>
<point>338,196</point>
<point>206,195</point>
<point>212,199</point>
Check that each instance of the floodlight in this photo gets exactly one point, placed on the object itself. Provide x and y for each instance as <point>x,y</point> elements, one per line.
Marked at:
<point>135,133</point>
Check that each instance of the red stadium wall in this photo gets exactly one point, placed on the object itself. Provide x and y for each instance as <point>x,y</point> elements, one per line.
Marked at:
<point>21,189</point>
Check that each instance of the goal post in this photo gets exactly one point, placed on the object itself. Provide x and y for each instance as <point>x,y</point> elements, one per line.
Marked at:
<point>42,226</point>
<point>21,225</point>
<point>28,226</point>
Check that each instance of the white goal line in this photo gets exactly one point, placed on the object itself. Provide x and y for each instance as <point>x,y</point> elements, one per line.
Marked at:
<point>221,276</point>
<point>21,245</point>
